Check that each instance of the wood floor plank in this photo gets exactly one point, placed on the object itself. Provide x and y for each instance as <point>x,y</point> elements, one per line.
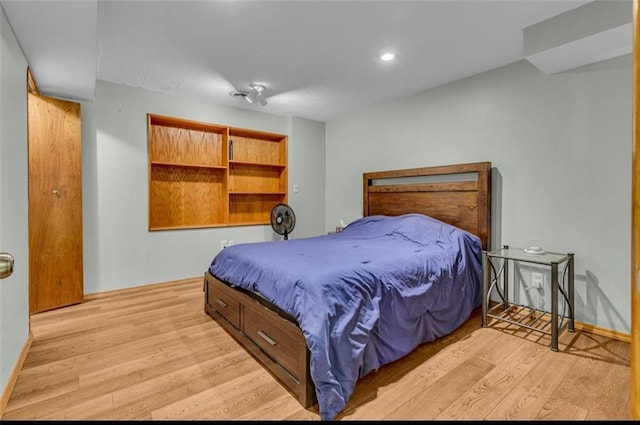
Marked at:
<point>489,390</point>
<point>27,406</point>
<point>529,397</point>
<point>611,401</point>
<point>218,401</point>
<point>609,404</point>
<point>82,409</point>
<point>561,410</point>
<point>430,402</point>
<point>155,394</point>
<point>587,374</point>
<point>157,362</point>
<point>100,357</point>
<point>85,342</point>
<point>91,371</point>
<point>420,369</point>
<point>274,409</point>
<point>74,389</point>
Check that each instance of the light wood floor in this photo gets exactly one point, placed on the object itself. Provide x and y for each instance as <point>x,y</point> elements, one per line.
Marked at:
<point>154,354</point>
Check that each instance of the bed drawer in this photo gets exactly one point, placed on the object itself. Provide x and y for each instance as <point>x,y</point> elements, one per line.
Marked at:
<point>223,300</point>
<point>276,336</point>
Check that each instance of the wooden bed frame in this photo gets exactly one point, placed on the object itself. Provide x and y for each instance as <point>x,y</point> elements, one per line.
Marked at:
<point>456,194</point>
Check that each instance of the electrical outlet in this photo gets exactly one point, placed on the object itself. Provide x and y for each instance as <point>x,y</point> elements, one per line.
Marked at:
<point>230,242</point>
<point>224,244</point>
<point>537,280</point>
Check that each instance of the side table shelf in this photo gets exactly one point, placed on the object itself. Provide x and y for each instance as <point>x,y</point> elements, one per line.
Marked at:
<point>496,264</point>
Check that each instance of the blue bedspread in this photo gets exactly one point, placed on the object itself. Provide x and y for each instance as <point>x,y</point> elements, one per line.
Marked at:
<point>365,296</point>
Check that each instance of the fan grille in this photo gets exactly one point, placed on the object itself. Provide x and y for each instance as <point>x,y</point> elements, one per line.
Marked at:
<point>283,219</point>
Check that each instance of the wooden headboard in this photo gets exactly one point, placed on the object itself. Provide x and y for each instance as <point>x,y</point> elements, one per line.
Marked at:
<point>456,194</point>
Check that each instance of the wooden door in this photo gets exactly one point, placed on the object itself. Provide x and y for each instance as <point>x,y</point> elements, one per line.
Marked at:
<point>55,203</point>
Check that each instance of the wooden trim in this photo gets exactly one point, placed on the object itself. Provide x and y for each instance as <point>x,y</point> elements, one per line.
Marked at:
<point>634,400</point>
<point>32,87</point>
<point>618,336</point>
<point>116,292</point>
<point>6,393</point>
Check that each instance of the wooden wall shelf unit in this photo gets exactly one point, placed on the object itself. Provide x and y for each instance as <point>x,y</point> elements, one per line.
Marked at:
<point>210,175</point>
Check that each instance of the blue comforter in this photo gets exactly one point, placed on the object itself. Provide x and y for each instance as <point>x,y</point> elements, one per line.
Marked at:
<point>366,296</point>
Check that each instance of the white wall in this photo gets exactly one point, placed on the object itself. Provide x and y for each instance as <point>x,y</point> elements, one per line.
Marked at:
<point>119,251</point>
<point>560,146</point>
<point>14,290</point>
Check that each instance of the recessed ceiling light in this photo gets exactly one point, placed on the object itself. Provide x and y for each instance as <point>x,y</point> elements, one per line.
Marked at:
<point>387,56</point>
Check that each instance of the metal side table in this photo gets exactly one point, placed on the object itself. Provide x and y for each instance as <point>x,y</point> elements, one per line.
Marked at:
<point>496,264</point>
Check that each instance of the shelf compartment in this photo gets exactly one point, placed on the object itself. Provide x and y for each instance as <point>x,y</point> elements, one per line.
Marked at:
<point>256,178</point>
<point>184,197</point>
<point>253,208</point>
<point>210,175</point>
<point>186,142</point>
<point>259,148</point>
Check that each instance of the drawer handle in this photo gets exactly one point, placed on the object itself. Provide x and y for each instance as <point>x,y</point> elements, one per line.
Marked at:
<point>267,338</point>
<point>222,303</point>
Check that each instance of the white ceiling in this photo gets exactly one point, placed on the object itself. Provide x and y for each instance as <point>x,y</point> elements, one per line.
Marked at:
<point>316,58</point>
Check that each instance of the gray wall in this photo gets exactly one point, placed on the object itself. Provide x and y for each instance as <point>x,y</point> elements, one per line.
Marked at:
<point>560,146</point>
<point>307,171</point>
<point>14,290</point>
<point>119,251</point>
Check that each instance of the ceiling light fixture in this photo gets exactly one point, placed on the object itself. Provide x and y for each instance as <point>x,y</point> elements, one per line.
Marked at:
<point>256,93</point>
<point>387,56</point>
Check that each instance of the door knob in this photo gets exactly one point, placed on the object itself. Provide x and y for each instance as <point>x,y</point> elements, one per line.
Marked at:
<point>6,265</point>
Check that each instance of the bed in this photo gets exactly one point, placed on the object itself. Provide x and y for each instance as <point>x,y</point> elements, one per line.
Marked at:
<point>322,312</point>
